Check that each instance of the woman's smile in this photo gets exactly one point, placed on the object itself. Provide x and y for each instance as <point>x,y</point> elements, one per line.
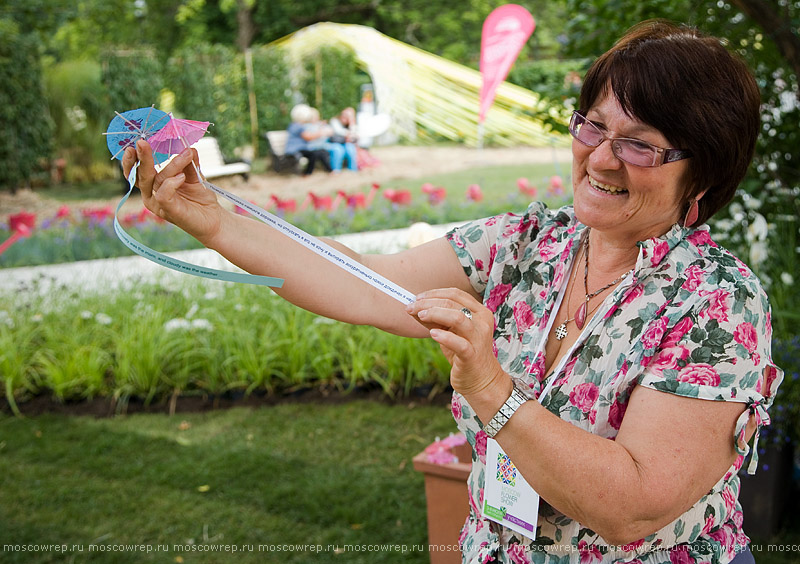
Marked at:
<point>606,188</point>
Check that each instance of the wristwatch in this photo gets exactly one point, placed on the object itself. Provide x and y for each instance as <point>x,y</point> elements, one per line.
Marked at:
<point>505,412</point>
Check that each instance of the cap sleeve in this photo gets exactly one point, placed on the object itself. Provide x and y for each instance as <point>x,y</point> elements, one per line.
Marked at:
<point>720,350</point>
<point>478,243</point>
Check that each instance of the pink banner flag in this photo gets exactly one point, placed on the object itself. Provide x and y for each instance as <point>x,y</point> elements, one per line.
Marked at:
<point>505,31</point>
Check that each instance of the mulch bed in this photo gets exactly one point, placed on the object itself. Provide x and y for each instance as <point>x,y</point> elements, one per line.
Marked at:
<point>199,403</point>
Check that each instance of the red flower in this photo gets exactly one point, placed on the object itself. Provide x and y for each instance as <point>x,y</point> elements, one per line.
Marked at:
<point>22,222</point>
<point>474,193</point>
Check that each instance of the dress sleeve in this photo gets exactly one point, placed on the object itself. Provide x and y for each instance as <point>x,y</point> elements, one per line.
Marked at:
<point>478,242</point>
<point>720,350</point>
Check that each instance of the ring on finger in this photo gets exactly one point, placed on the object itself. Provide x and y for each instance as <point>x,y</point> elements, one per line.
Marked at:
<point>467,313</point>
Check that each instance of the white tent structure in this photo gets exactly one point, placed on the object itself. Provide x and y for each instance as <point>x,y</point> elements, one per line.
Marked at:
<point>419,89</point>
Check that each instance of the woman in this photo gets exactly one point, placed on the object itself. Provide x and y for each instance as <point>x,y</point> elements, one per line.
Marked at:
<point>345,135</point>
<point>303,134</point>
<point>618,318</point>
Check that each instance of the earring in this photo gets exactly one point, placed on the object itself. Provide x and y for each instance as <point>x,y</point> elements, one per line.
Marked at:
<point>691,214</point>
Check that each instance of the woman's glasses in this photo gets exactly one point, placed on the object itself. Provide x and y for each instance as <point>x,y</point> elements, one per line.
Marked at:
<point>632,151</point>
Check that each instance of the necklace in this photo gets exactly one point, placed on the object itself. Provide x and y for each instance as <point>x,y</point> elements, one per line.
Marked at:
<point>580,315</point>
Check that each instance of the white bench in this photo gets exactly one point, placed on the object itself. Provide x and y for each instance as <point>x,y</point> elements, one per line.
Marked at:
<point>212,162</point>
<point>281,162</point>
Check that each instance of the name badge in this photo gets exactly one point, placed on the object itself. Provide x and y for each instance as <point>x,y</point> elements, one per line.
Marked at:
<point>507,498</point>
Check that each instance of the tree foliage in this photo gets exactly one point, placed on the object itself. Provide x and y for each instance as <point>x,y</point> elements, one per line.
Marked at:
<point>26,140</point>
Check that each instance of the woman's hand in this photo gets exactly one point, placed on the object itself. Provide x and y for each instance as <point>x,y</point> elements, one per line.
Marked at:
<point>466,342</point>
<point>177,193</point>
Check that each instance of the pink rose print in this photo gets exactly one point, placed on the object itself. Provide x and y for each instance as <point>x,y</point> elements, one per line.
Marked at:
<point>659,253</point>
<point>546,250</point>
<point>492,254</point>
<point>632,546</point>
<point>480,445</point>
<point>520,227</point>
<point>694,277</point>
<point>492,220</point>
<point>701,237</point>
<point>717,305</point>
<point>517,554</point>
<point>535,367</point>
<point>667,359</point>
<point>592,416</point>
<point>652,336</point>
<point>458,240</point>
<point>730,500</point>
<point>703,374</point>
<point>497,296</point>
<point>770,375</point>
<point>745,334</point>
<point>583,396</point>
<point>708,526</point>
<point>681,328</point>
<point>724,535</point>
<point>633,294</point>
<point>523,317</point>
<point>615,414</point>
<point>589,553</point>
<point>680,555</point>
<point>455,407</point>
<point>478,264</point>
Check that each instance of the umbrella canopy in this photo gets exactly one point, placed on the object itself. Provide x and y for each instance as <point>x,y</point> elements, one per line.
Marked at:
<point>177,135</point>
<point>128,127</point>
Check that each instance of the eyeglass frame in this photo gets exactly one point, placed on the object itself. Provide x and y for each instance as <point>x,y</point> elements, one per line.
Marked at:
<point>668,155</point>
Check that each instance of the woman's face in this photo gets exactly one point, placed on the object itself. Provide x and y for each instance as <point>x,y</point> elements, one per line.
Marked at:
<point>617,198</point>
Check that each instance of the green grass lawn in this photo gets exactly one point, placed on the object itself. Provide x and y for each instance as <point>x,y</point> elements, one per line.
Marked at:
<point>295,474</point>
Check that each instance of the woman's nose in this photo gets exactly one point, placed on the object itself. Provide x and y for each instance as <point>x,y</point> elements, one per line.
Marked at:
<point>603,156</point>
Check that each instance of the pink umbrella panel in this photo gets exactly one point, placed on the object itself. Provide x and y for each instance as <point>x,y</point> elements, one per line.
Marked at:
<point>177,135</point>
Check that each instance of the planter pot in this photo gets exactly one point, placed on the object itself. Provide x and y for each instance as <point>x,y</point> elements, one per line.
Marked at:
<point>447,501</point>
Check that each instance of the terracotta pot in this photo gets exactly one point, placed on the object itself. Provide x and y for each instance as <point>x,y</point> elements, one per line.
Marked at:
<point>447,502</point>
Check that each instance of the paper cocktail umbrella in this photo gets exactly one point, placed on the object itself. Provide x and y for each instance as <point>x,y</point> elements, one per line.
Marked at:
<point>177,135</point>
<point>128,127</point>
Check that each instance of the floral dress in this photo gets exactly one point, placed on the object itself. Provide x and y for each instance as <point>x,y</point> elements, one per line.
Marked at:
<point>691,320</point>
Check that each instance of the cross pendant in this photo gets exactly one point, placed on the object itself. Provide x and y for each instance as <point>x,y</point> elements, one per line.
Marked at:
<point>561,331</point>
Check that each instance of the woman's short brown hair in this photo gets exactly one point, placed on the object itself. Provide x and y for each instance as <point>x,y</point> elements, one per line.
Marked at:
<point>693,90</point>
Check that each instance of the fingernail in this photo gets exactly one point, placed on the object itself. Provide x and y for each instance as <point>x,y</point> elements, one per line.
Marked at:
<point>423,314</point>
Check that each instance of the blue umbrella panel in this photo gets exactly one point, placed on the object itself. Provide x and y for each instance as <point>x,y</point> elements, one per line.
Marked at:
<point>128,127</point>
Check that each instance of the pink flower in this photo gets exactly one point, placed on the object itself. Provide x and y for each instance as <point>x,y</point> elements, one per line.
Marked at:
<point>633,294</point>
<point>724,535</point>
<point>589,553</point>
<point>745,334</point>
<point>478,264</point>
<point>455,407</point>
<point>615,414</point>
<point>655,331</point>
<point>98,214</point>
<point>633,545</point>
<point>681,328</point>
<point>497,296</point>
<point>708,525</point>
<point>730,500</point>
<point>717,305</point>
<point>667,359</point>
<point>474,193</point>
<point>22,222</point>
<point>523,317</point>
<point>694,277</point>
<point>680,555</point>
<point>701,237</point>
<point>458,240</point>
<point>517,554</point>
<point>546,250</point>
<point>480,445</point>
<point>63,212</point>
<point>536,367</point>
<point>584,395</point>
<point>660,251</point>
<point>702,374</point>
<point>525,187</point>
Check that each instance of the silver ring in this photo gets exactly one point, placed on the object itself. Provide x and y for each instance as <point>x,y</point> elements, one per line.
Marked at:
<point>467,313</point>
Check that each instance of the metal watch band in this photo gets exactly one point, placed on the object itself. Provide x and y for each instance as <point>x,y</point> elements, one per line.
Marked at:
<point>505,412</point>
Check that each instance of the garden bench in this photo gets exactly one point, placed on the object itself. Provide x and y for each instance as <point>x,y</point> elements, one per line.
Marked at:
<point>212,162</point>
<point>281,162</point>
